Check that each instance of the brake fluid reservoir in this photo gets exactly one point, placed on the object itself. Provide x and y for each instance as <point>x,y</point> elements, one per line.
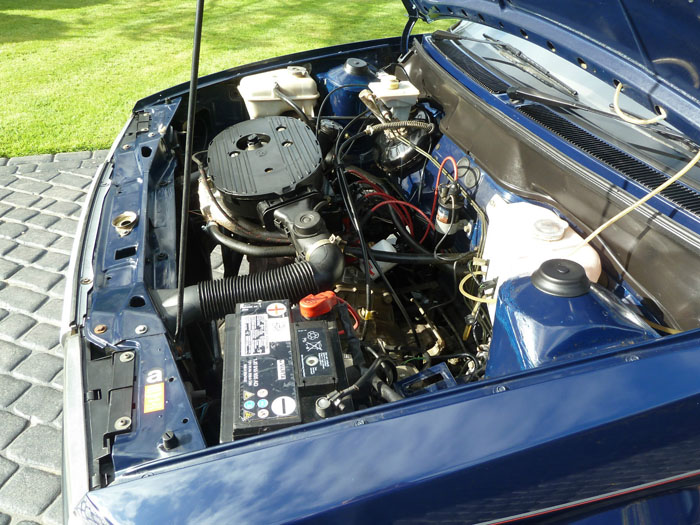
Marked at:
<point>521,236</point>
<point>294,81</point>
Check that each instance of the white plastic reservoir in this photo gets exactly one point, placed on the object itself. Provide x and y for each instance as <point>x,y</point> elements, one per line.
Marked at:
<point>521,236</point>
<point>294,81</point>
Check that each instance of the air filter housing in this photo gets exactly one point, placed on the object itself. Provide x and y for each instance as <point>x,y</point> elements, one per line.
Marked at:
<point>269,158</point>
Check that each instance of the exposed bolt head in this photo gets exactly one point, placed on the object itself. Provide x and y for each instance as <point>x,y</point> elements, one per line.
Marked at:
<point>151,134</point>
<point>141,329</point>
<point>85,280</point>
<point>125,357</point>
<point>169,440</point>
<point>126,147</point>
<point>143,130</point>
<point>122,423</point>
<point>100,329</point>
<point>500,389</point>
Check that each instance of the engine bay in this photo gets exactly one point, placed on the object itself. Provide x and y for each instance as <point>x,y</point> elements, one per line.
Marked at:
<point>367,259</point>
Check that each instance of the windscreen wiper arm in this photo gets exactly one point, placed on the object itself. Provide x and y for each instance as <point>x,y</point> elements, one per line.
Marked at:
<point>514,57</point>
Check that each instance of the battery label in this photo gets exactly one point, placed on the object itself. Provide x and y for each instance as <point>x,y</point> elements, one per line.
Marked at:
<point>266,388</point>
<point>314,353</point>
<point>254,335</point>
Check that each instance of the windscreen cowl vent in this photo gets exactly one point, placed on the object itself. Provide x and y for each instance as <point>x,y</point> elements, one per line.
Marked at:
<point>471,67</point>
<point>620,161</point>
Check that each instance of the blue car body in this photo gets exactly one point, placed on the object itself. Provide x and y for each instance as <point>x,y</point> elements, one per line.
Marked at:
<point>609,434</point>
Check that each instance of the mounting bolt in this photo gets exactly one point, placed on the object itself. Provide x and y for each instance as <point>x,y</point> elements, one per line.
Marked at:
<point>169,440</point>
<point>100,329</point>
<point>126,147</point>
<point>500,389</point>
<point>122,423</point>
<point>125,357</point>
<point>85,280</point>
<point>141,329</point>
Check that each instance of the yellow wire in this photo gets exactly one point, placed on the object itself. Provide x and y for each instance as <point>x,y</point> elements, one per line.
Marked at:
<point>486,300</point>
<point>661,328</point>
<point>641,201</point>
<point>630,119</point>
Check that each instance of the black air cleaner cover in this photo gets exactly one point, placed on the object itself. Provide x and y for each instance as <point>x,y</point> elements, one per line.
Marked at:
<point>264,158</point>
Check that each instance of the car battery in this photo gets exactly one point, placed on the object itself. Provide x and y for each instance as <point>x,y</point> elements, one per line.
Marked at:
<point>276,364</point>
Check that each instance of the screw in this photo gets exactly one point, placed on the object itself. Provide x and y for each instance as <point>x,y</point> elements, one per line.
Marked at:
<point>126,147</point>
<point>151,134</point>
<point>125,357</point>
<point>500,389</point>
<point>359,422</point>
<point>85,280</point>
<point>143,130</point>
<point>162,256</point>
<point>122,423</point>
<point>100,329</point>
<point>631,358</point>
<point>141,329</point>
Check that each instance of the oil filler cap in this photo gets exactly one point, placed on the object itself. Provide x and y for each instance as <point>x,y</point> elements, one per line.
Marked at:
<point>561,278</point>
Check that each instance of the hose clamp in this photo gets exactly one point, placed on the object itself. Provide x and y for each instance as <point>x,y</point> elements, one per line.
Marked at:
<point>333,239</point>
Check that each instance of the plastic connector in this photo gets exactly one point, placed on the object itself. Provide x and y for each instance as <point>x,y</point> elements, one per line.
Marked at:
<point>315,305</point>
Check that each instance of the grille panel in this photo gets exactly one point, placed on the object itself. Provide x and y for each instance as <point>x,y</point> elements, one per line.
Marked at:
<point>636,170</point>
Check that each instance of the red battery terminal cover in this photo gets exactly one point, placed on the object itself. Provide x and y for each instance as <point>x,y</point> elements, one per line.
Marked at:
<point>316,305</point>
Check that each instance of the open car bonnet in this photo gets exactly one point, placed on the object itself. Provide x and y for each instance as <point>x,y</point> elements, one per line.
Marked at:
<point>648,45</point>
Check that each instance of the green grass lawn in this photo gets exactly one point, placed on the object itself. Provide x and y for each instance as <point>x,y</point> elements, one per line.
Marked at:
<point>72,69</point>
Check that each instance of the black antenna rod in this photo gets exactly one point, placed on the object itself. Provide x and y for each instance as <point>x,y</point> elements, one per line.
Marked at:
<point>185,209</point>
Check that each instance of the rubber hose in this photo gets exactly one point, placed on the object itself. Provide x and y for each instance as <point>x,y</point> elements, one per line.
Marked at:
<point>248,249</point>
<point>278,91</point>
<point>402,258</point>
<point>219,297</point>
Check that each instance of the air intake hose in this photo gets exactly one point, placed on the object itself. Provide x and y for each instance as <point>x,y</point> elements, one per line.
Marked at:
<point>219,297</point>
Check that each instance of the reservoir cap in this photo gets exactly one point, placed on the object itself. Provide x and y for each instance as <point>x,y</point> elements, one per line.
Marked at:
<point>561,278</point>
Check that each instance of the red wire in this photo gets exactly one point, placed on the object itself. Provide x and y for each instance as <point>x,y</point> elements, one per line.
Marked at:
<point>404,203</point>
<point>403,214</point>
<point>437,182</point>
<point>352,311</point>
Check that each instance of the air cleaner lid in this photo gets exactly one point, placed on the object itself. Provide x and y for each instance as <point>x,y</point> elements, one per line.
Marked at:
<point>264,158</point>
<point>562,278</point>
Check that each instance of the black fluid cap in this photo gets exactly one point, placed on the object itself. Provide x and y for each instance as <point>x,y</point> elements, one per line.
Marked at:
<point>356,66</point>
<point>308,223</point>
<point>170,440</point>
<point>562,278</point>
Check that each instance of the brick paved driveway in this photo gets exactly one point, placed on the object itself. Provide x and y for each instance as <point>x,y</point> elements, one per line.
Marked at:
<point>40,202</point>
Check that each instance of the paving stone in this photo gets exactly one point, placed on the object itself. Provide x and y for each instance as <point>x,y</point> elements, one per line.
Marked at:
<point>20,214</point>
<point>57,381</point>
<point>6,246</point>
<point>24,254</point>
<point>4,208</point>
<point>29,491</point>
<point>39,367</point>
<point>91,164</point>
<point>10,230</point>
<point>19,298</point>
<point>54,514</point>
<point>43,176</point>
<point>7,468</point>
<point>64,244</point>
<point>39,404</point>
<point>7,170</point>
<point>42,220</point>
<point>21,200</point>
<point>59,289</point>
<point>85,172</point>
<point>53,261</point>
<point>38,446</point>
<point>75,155</point>
<point>27,522</point>
<point>11,389</point>
<point>26,168</point>
<point>38,237</point>
<point>100,154</point>
<point>50,311</point>
<point>61,165</point>
<point>30,159</point>
<point>3,161</point>
<point>4,519</point>
<point>42,337</point>
<point>30,186</point>
<point>15,326</point>
<point>10,427</point>
<point>34,279</point>
<point>63,208</point>
<point>68,226</point>
<point>10,356</point>
<point>72,180</point>
<point>64,194</point>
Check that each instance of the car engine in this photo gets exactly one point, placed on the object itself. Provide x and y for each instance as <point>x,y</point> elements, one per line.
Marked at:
<point>381,262</point>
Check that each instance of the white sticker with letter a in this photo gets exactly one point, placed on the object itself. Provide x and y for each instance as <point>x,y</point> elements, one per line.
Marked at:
<point>154,375</point>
